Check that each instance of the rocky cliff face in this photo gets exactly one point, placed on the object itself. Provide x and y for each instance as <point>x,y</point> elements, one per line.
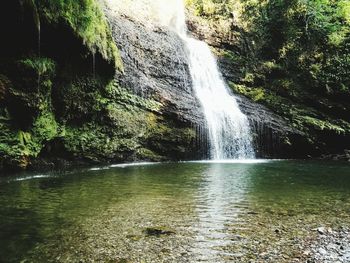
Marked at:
<point>155,67</point>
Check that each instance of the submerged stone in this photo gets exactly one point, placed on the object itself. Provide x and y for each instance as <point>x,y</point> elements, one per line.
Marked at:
<point>150,231</point>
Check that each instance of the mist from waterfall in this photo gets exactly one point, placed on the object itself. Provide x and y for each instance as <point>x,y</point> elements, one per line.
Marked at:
<point>228,128</point>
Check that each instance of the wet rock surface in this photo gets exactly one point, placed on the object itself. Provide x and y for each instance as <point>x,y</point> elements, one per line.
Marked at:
<point>155,66</point>
<point>273,134</point>
<point>338,157</point>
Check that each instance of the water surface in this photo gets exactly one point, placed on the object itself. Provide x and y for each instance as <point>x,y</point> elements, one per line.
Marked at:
<point>175,212</point>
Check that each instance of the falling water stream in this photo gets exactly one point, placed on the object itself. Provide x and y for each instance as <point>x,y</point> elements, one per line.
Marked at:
<point>39,51</point>
<point>228,127</point>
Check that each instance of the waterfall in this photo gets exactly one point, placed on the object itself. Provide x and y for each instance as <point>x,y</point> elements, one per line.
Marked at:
<point>229,131</point>
<point>228,128</point>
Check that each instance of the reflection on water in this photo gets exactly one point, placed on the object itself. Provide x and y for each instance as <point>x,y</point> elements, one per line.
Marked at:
<point>202,212</point>
<point>218,203</point>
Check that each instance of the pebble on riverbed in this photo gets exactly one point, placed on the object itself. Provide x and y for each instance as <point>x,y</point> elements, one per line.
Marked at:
<point>331,246</point>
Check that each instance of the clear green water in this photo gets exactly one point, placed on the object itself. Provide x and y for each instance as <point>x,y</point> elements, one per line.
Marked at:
<point>210,212</point>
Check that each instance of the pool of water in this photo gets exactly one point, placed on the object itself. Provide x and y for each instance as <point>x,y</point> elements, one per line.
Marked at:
<point>172,212</point>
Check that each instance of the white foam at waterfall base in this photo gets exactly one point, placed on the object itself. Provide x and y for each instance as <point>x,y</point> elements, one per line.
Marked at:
<point>236,161</point>
<point>228,128</point>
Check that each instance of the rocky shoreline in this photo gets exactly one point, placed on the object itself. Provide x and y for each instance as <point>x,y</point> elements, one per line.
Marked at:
<point>330,246</point>
<point>338,157</point>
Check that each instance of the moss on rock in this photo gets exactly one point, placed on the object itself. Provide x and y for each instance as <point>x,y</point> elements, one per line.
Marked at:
<point>87,21</point>
<point>127,127</point>
<point>313,123</point>
<point>13,152</point>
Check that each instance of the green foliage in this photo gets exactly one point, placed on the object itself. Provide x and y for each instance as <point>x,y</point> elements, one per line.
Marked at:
<point>322,124</point>
<point>256,94</point>
<point>88,22</point>
<point>17,147</point>
<point>103,121</point>
<point>87,97</point>
<point>13,151</point>
<point>24,137</point>
<point>20,143</point>
<point>41,65</point>
<point>88,117</point>
<point>302,117</point>
<point>109,123</point>
<point>96,142</point>
<point>167,139</point>
<point>212,8</point>
<point>80,98</point>
<point>308,39</point>
<point>301,63</point>
<point>45,127</point>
